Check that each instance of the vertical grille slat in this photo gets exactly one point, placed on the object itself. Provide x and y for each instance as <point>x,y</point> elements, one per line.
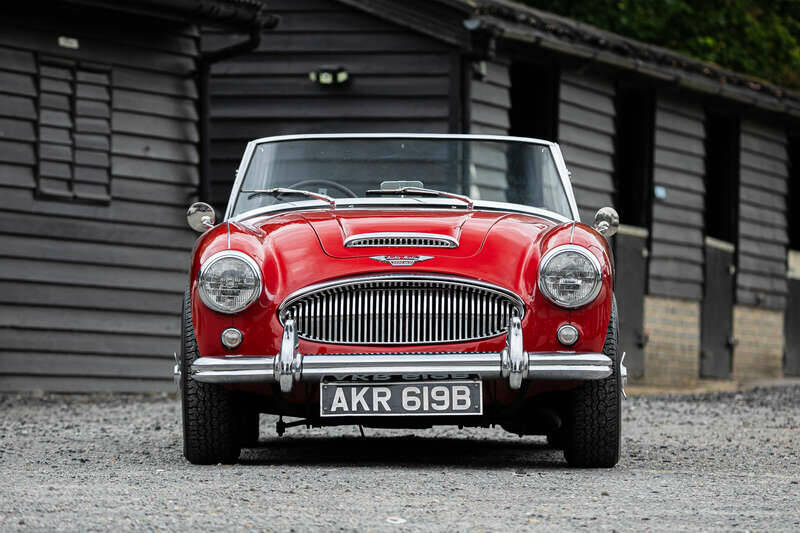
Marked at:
<point>403,311</point>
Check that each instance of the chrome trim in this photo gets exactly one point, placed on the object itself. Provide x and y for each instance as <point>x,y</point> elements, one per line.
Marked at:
<point>569,248</point>
<point>319,315</point>
<point>606,222</point>
<point>445,241</point>
<point>313,368</point>
<point>222,338</point>
<point>288,364</point>
<point>404,204</point>
<point>200,217</point>
<point>623,375</point>
<point>564,327</point>
<point>513,359</point>
<point>221,255</point>
<point>555,151</point>
<point>176,370</point>
<point>512,363</point>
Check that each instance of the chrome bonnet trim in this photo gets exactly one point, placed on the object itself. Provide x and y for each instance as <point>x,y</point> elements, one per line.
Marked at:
<point>436,240</point>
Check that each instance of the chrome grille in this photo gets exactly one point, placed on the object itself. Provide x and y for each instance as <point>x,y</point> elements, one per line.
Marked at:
<point>397,240</point>
<point>401,310</point>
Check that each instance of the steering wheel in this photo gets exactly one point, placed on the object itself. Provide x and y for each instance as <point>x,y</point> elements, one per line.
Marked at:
<point>333,184</point>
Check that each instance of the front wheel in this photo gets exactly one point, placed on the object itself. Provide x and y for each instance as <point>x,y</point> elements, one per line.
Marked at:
<point>210,428</point>
<point>592,433</point>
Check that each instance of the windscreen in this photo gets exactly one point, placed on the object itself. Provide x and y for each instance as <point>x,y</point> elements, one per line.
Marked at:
<point>505,171</point>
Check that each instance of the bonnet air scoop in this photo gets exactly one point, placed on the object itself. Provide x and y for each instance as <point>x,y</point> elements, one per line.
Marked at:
<point>399,239</point>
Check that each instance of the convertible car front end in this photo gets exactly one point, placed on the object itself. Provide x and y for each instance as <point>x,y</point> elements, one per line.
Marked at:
<point>401,281</point>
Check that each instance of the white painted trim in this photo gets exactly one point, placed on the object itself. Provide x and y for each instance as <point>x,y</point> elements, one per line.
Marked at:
<point>720,245</point>
<point>633,231</point>
<point>793,264</point>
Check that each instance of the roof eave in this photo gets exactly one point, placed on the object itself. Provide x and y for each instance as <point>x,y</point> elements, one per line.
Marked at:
<point>243,15</point>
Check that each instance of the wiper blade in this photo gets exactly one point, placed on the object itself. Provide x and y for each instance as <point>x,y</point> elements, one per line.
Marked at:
<point>278,191</point>
<point>423,192</point>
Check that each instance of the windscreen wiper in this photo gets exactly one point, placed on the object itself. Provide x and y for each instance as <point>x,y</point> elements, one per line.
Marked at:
<point>422,192</point>
<point>278,191</point>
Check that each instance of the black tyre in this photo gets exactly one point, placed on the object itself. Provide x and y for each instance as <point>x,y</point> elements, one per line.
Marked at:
<point>211,425</point>
<point>592,433</point>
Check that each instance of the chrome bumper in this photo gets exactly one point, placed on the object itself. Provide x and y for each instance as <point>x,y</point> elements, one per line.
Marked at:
<point>512,363</point>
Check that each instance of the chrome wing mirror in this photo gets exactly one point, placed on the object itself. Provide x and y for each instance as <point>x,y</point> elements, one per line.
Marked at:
<point>200,217</point>
<point>606,221</point>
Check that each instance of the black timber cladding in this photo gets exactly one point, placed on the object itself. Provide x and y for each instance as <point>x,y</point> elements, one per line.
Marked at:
<point>399,81</point>
<point>586,128</point>
<point>761,277</point>
<point>677,235</point>
<point>490,102</point>
<point>90,293</point>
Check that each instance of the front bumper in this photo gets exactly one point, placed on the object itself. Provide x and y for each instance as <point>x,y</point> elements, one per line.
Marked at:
<point>513,363</point>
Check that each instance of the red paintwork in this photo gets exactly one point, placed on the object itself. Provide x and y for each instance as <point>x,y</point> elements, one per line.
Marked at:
<point>301,248</point>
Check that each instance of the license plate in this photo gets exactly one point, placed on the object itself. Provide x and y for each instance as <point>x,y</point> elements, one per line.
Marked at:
<point>421,398</point>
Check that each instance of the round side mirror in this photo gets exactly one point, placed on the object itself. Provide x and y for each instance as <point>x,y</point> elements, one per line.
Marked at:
<point>200,217</point>
<point>606,221</point>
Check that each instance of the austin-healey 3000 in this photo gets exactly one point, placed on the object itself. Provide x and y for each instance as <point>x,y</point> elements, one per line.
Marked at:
<point>398,280</point>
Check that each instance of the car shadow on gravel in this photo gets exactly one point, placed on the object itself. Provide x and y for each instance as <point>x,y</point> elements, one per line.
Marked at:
<point>402,451</point>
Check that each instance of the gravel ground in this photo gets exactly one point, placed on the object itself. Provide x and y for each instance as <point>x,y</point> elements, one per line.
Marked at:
<point>709,462</point>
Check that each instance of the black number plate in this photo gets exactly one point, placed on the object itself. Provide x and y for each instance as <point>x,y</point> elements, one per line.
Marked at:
<point>422,398</point>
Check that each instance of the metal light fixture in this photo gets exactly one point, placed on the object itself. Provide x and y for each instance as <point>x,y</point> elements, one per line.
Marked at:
<point>231,338</point>
<point>567,334</point>
<point>327,75</point>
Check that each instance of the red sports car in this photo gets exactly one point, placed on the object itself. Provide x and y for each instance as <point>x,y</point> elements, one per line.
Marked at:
<point>403,281</point>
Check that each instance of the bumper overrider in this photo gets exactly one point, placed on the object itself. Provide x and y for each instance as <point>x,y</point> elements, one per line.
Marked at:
<point>512,363</point>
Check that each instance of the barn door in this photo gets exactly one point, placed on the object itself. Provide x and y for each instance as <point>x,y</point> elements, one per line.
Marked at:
<point>791,323</point>
<point>792,363</point>
<point>631,264</point>
<point>716,356</point>
<point>721,228</point>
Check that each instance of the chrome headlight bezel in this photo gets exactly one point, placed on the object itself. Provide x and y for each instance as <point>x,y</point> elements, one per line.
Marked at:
<point>545,262</point>
<point>228,254</point>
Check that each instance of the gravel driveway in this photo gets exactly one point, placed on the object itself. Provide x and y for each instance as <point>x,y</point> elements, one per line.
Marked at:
<point>711,462</point>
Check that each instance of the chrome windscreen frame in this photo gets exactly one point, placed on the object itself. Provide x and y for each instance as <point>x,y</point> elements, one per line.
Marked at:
<point>479,204</point>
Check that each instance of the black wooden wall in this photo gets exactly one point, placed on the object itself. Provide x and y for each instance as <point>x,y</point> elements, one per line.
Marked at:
<point>676,251</point>
<point>400,81</point>
<point>490,104</point>
<point>586,128</point>
<point>761,278</point>
<point>97,164</point>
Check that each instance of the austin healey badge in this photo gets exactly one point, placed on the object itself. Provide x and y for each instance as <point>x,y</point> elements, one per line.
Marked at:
<point>401,260</point>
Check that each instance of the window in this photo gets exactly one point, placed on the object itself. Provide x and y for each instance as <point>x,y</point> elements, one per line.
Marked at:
<point>74,137</point>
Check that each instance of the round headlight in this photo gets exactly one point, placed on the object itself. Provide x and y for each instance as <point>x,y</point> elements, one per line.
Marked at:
<point>570,276</point>
<point>229,282</point>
